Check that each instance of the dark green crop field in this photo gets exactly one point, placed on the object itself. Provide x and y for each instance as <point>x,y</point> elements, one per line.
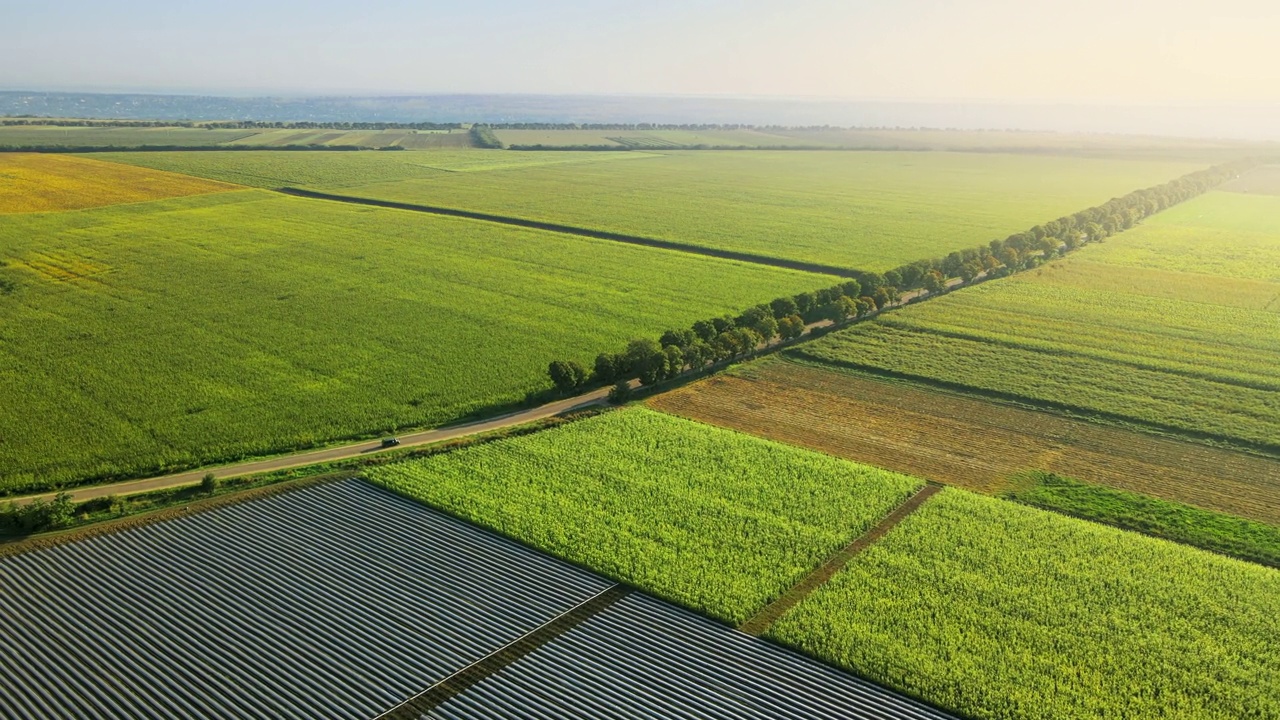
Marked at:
<point>148,336</point>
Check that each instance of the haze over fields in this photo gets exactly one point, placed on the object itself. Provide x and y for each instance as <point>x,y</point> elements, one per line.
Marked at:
<point>1144,66</point>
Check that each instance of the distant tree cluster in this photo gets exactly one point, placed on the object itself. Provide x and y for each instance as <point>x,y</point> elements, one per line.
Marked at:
<point>482,137</point>
<point>715,340</point>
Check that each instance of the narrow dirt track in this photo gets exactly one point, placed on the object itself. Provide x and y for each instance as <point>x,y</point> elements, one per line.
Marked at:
<point>764,619</point>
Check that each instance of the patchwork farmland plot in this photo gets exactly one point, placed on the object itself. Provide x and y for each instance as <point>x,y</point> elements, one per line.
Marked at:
<point>32,183</point>
<point>714,520</point>
<point>50,135</point>
<point>868,211</point>
<point>270,323</point>
<point>1092,335</point>
<point>337,170</point>
<point>344,601</point>
<point>1221,533</point>
<point>999,611</point>
<point>408,139</point>
<point>966,441</point>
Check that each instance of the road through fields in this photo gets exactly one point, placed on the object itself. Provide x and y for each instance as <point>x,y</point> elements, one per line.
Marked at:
<point>366,447</point>
<point>341,452</point>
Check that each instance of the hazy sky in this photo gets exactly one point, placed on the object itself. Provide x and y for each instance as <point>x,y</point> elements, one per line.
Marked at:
<point>1144,51</point>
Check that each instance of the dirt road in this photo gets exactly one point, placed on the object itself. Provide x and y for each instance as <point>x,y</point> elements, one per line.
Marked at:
<point>341,452</point>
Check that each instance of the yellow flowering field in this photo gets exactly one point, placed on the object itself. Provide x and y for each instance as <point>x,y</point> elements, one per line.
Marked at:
<point>40,182</point>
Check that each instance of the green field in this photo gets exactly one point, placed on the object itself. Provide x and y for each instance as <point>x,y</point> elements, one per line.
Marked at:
<point>44,135</point>
<point>1119,330</point>
<point>408,139</point>
<point>1221,533</point>
<point>1044,143</point>
<point>340,170</point>
<point>870,211</point>
<point>148,336</point>
<point>1004,612</point>
<point>715,520</point>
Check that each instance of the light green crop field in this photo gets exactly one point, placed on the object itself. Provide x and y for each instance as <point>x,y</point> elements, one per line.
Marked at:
<point>710,518</point>
<point>1005,612</point>
<point>408,139</point>
<point>669,139</point>
<point>1110,330</point>
<point>154,335</point>
<point>27,135</point>
<point>870,211</point>
<point>329,170</point>
<point>1264,180</point>
<point>1223,234</point>
<point>1206,152</point>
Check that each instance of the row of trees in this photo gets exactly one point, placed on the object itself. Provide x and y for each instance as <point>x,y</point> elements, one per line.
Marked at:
<point>1025,250</point>
<point>714,340</point>
<point>482,137</point>
<point>724,338</point>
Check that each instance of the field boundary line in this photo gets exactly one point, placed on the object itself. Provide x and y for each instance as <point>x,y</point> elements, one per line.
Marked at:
<point>462,680</point>
<point>801,356</point>
<point>761,622</point>
<point>582,232</point>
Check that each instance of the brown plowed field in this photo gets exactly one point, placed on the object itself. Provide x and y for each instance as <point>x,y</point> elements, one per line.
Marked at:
<point>968,442</point>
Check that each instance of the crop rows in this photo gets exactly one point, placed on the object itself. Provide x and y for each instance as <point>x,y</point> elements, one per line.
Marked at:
<point>717,521</point>
<point>32,183</point>
<point>1122,330</point>
<point>273,323</point>
<point>999,611</point>
<point>1219,532</point>
<point>327,170</point>
<point>866,211</point>
<point>1221,235</point>
<point>969,442</point>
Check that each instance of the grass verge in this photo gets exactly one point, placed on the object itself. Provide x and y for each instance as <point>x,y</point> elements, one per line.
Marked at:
<point>1218,532</point>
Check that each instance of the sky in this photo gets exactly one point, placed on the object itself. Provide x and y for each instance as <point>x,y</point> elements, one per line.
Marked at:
<point>1156,52</point>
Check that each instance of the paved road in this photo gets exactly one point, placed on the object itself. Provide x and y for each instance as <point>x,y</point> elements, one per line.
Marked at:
<point>342,452</point>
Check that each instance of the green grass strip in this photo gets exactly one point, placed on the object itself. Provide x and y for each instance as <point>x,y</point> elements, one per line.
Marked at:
<point>1219,532</point>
